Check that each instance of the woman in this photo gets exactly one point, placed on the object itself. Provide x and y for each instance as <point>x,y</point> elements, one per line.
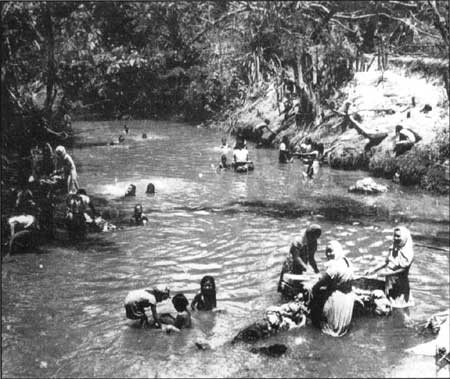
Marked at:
<point>241,162</point>
<point>284,155</point>
<point>397,265</point>
<point>48,164</point>
<point>301,258</point>
<point>206,299</point>
<point>66,167</point>
<point>332,308</point>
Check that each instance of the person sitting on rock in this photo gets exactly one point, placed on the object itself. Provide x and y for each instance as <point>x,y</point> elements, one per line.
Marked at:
<point>404,140</point>
<point>23,233</point>
<point>87,204</point>
<point>131,190</point>
<point>139,218</point>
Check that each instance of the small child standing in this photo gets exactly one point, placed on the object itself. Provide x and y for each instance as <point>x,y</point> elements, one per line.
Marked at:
<point>137,300</point>
<point>206,299</point>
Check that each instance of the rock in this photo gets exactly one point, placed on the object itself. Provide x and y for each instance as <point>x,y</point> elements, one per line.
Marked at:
<point>203,345</point>
<point>275,351</point>
<point>367,186</point>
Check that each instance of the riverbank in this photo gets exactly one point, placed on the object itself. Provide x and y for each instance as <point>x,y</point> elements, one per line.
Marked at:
<point>411,92</point>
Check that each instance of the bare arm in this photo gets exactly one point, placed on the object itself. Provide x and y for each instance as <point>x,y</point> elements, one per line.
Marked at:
<point>376,269</point>
<point>312,262</point>
<point>295,251</point>
<point>155,315</point>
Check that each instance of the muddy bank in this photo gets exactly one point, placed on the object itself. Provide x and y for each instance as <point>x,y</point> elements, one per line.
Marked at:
<point>357,125</point>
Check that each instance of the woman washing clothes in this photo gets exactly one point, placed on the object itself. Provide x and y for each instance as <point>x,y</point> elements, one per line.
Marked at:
<point>332,308</point>
<point>396,269</point>
<point>300,259</point>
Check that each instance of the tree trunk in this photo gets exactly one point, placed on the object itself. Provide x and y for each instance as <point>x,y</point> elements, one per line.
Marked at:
<point>51,65</point>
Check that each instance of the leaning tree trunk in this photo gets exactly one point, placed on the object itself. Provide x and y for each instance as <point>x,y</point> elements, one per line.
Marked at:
<point>51,65</point>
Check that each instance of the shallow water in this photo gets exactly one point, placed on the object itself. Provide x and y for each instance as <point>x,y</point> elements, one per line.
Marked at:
<point>62,309</point>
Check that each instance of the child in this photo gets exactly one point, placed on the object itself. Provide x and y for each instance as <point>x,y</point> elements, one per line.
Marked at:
<point>183,318</point>
<point>137,300</point>
<point>139,218</point>
<point>206,299</point>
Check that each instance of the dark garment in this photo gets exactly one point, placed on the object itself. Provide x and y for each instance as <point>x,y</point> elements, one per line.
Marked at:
<point>284,156</point>
<point>398,285</point>
<point>201,303</point>
<point>138,220</point>
<point>23,241</point>
<point>135,311</point>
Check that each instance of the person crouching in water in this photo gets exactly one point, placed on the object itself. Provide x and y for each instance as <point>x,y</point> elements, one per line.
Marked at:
<point>137,300</point>
<point>223,165</point>
<point>206,299</point>
<point>332,308</point>
<point>183,317</point>
<point>139,218</point>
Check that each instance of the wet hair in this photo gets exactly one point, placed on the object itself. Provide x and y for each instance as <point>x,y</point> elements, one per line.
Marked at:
<point>150,188</point>
<point>180,302</point>
<point>210,294</point>
<point>398,128</point>
<point>138,206</point>
<point>132,192</point>
<point>161,294</point>
<point>81,191</point>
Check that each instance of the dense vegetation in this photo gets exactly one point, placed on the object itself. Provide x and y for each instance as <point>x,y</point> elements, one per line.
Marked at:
<point>187,59</point>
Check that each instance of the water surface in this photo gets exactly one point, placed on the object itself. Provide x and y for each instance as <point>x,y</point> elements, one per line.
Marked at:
<point>62,309</point>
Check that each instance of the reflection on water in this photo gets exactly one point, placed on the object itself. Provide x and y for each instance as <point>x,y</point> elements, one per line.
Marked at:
<point>62,311</point>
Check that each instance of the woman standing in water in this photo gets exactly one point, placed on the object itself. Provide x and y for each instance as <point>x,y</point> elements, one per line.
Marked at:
<point>301,257</point>
<point>396,269</point>
<point>66,167</point>
<point>332,308</point>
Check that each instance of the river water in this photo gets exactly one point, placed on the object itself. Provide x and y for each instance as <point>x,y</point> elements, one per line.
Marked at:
<point>62,308</point>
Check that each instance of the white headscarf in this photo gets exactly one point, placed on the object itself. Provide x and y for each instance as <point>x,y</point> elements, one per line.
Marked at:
<point>405,252</point>
<point>336,248</point>
<point>60,150</point>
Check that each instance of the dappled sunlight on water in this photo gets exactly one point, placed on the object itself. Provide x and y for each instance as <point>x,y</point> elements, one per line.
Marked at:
<point>65,307</point>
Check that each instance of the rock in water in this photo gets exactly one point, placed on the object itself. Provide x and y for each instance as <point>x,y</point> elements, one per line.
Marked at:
<point>367,186</point>
<point>275,351</point>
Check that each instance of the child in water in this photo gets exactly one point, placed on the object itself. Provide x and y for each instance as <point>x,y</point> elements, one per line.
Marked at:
<point>137,300</point>
<point>183,317</point>
<point>206,299</point>
<point>139,218</point>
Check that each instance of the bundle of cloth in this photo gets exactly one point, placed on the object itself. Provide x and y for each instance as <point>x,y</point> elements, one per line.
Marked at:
<point>284,317</point>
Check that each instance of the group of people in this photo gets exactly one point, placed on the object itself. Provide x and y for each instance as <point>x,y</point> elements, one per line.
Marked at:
<point>330,295</point>
<point>32,216</point>
<point>241,161</point>
<point>138,300</point>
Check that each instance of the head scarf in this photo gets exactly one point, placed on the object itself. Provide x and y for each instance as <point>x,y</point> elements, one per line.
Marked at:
<point>60,150</point>
<point>336,248</point>
<point>403,254</point>
<point>311,234</point>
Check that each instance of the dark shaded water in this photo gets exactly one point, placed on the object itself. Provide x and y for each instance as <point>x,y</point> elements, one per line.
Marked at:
<point>62,310</point>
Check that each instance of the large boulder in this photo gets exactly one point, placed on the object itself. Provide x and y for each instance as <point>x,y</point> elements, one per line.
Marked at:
<point>367,186</point>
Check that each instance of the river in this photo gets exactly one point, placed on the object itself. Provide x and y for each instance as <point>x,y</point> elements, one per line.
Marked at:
<point>62,308</point>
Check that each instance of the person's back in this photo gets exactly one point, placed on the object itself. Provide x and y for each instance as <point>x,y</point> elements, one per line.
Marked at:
<point>240,155</point>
